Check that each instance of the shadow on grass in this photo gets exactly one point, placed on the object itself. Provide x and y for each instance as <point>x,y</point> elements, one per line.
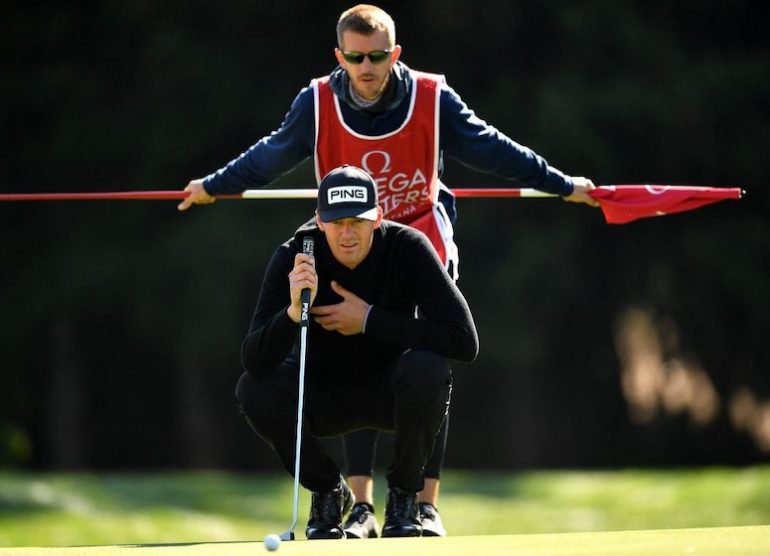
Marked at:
<point>179,544</point>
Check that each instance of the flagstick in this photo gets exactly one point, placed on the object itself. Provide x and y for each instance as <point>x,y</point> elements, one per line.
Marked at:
<point>179,195</point>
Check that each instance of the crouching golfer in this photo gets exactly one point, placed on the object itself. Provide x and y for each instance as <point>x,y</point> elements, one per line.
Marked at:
<point>371,363</point>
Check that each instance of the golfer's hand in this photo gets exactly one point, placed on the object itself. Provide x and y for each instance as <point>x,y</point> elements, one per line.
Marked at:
<point>580,193</point>
<point>302,276</point>
<point>197,196</point>
<point>346,317</point>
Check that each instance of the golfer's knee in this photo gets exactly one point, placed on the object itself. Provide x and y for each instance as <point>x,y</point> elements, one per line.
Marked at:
<point>248,396</point>
<point>425,372</point>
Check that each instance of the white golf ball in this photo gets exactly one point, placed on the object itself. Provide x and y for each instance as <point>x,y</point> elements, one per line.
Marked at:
<point>272,542</point>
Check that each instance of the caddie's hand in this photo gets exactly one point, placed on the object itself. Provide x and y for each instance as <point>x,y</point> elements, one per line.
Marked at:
<point>302,276</point>
<point>346,317</point>
<point>580,192</point>
<point>197,196</point>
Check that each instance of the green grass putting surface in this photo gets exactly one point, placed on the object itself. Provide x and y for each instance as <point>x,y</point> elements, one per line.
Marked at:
<point>719,541</point>
<point>204,510</point>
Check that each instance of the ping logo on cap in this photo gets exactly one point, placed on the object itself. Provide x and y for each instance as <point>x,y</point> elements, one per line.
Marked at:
<point>347,194</point>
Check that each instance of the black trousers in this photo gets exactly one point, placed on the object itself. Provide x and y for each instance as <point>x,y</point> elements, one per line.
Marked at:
<point>360,447</point>
<point>409,397</point>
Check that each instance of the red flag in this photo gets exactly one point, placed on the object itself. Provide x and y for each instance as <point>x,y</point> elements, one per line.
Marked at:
<point>626,203</point>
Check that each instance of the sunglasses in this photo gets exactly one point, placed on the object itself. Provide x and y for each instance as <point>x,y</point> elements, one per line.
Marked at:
<point>375,56</point>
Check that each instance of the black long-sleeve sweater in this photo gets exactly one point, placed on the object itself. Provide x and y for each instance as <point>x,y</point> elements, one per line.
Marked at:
<point>400,273</point>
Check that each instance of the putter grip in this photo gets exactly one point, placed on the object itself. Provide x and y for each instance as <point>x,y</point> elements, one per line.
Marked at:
<point>307,249</point>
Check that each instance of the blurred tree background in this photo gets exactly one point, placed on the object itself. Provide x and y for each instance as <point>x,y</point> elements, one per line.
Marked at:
<point>641,344</point>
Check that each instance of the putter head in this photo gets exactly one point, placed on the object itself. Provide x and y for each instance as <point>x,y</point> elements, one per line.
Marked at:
<point>287,535</point>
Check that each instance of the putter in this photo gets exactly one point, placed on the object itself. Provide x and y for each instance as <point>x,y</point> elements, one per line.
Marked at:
<point>307,248</point>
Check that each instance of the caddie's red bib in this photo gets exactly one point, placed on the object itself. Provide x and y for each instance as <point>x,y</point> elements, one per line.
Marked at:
<point>403,163</point>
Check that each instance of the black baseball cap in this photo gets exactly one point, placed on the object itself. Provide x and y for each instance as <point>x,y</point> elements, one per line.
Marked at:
<point>347,192</point>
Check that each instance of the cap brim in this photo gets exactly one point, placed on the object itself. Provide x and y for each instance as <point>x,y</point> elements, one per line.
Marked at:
<point>330,215</point>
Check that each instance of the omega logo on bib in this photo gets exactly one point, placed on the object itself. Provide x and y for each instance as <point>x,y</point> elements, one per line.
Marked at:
<point>395,188</point>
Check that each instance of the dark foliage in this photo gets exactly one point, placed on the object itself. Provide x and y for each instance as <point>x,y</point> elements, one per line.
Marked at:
<point>121,322</point>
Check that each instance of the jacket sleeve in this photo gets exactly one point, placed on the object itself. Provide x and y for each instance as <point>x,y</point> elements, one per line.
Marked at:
<point>272,333</point>
<point>478,145</point>
<point>445,324</point>
<point>273,155</point>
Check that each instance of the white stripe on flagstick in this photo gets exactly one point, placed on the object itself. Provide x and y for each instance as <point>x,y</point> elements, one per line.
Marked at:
<point>313,193</point>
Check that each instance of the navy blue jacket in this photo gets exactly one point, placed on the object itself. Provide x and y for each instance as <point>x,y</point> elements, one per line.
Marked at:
<point>462,136</point>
